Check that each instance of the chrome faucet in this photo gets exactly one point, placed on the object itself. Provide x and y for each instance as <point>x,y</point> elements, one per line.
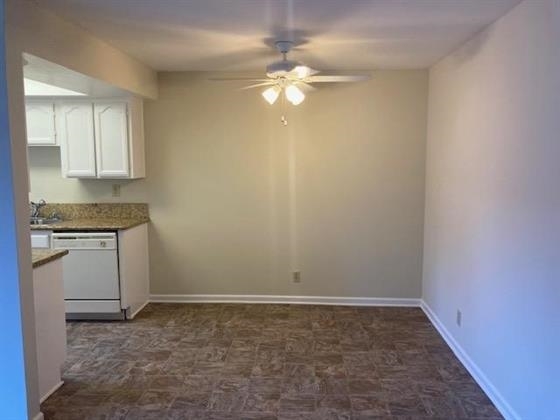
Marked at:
<point>35,207</point>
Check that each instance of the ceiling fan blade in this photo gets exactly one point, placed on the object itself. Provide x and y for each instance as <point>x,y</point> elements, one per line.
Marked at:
<point>306,87</point>
<point>337,78</point>
<point>233,79</point>
<point>313,72</point>
<point>268,83</point>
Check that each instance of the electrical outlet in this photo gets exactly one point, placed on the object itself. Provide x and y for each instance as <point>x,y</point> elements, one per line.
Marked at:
<point>459,317</point>
<point>296,277</point>
<point>116,190</point>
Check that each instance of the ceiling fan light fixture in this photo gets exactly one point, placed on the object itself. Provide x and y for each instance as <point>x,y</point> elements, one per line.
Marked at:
<point>294,95</point>
<point>271,94</point>
<point>292,77</point>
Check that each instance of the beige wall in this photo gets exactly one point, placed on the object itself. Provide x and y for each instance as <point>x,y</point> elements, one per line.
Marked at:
<point>492,229</point>
<point>46,182</point>
<point>239,201</point>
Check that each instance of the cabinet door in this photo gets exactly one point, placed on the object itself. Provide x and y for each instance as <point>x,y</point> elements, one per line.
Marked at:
<point>111,139</point>
<point>77,141</point>
<point>40,123</point>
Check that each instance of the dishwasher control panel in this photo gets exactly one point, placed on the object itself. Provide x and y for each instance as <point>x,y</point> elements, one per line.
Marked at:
<point>84,240</point>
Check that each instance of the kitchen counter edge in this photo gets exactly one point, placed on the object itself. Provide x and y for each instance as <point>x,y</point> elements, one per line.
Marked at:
<point>107,224</point>
<point>43,256</point>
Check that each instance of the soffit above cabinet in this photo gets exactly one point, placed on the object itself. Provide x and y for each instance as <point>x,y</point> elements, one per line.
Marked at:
<point>61,81</point>
<point>36,88</point>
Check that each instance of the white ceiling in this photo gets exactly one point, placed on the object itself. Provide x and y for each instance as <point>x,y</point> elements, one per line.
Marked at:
<point>234,35</point>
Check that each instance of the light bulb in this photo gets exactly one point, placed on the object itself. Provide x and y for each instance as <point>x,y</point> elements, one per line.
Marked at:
<point>294,95</point>
<point>271,94</point>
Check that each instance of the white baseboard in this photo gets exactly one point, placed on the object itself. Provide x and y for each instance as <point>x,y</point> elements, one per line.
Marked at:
<point>499,401</point>
<point>301,300</point>
<point>51,391</point>
<point>39,416</point>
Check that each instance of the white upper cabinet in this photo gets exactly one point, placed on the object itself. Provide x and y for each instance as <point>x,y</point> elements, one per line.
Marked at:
<point>101,138</point>
<point>40,119</point>
<point>77,139</point>
<point>136,138</point>
<point>111,139</point>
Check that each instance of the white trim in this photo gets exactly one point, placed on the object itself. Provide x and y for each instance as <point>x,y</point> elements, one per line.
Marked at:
<point>51,391</point>
<point>139,309</point>
<point>39,416</point>
<point>301,300</point>
<point>498,399</point>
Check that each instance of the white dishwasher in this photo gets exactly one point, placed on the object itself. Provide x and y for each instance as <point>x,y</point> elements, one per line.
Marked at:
<point>91,274</point>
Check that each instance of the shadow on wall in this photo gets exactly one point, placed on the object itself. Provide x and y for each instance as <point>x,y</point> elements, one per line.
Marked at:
<point>471,49</point>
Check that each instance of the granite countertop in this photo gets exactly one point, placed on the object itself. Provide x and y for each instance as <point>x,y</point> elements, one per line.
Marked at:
<point>93,224</point>
<point>44,256</point>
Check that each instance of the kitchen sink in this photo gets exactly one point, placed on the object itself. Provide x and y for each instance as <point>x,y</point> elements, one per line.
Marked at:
<point>43,220</point>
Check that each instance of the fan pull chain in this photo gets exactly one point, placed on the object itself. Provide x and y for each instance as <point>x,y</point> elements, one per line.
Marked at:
<point>283,119</point>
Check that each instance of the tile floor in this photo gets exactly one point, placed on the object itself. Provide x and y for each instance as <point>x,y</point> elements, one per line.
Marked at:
<point>223,361</point>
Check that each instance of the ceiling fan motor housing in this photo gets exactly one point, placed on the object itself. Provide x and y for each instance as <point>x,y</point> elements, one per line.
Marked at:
<point>281,68</point>
<point>284,47</point>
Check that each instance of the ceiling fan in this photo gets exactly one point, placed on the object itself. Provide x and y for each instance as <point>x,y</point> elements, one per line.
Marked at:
<point>292,78</point>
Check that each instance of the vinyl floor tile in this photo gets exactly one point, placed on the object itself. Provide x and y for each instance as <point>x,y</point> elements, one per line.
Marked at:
<point>268,362</point>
